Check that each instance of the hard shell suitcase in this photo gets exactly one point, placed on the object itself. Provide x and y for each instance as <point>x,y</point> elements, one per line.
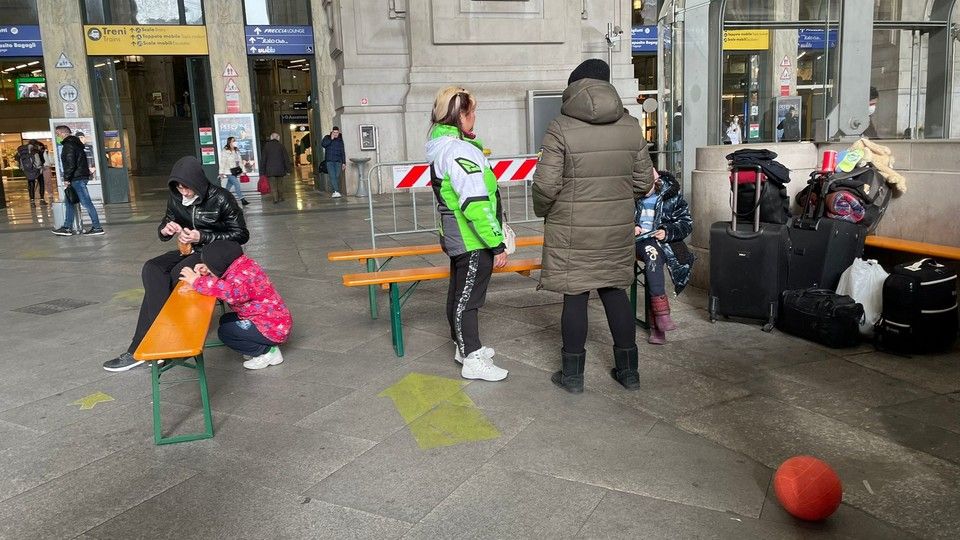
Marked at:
<point>748,267</point>
<point>60,214</point>
<point>821,316</point>
<point>919,308</point>
<point>821,248</point>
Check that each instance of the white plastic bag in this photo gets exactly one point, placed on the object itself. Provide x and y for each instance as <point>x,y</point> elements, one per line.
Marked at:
<point>509,239</point>
<point>863,282</point>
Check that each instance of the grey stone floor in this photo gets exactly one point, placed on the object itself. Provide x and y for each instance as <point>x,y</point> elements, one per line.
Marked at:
<point>309,448</point>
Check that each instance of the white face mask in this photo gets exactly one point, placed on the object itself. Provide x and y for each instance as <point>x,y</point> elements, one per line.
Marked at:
<point>191,200</point>
<point>872,109</point>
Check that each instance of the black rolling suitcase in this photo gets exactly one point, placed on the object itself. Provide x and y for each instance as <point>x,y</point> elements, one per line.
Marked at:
<point>919,309</point>
<point>748,266</point>
<point>821,248</point>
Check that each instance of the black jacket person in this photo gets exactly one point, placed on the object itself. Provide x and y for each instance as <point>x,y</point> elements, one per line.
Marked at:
<point>198,213</point>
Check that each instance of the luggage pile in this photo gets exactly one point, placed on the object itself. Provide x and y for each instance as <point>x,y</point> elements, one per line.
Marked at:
<point>786,273</point>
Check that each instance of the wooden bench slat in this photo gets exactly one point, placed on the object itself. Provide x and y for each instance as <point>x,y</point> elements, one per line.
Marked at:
<point>911,246</point>
<point>181,328</point>
<point>408,275</point>
<point>406,251</point>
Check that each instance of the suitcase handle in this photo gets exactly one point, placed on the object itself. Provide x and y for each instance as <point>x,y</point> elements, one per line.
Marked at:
<point>733,202</point>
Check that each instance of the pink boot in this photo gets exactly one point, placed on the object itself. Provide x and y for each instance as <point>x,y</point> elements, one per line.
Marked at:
<point>657,336</point>
<point>660,307</point>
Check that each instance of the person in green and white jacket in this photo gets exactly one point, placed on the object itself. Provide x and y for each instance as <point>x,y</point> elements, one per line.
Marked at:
<point>471,232</point>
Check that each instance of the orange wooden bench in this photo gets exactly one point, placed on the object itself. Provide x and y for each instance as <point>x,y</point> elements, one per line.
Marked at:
<point>369,257</point>
<point>393,279</point>
<point>938,251</point>
<point>176,336</point>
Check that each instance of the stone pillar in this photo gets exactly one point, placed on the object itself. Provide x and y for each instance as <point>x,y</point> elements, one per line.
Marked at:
<point>783,44</point>
<point>324,67</point>
<point>225,41</point>
<point>61,28</point>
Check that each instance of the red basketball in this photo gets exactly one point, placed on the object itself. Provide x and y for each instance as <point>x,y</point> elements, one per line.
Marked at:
<point>808,488</point>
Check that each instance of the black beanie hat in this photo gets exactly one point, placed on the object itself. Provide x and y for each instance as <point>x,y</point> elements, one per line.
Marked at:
<point>593,68</point>
<point>219,255</point>
<point>874,94</point>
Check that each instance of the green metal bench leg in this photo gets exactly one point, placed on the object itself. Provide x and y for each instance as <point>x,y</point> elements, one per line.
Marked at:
<point>396,327</point>
<point>372,290</point>
<point>645,322</point>
<point>155,372</point>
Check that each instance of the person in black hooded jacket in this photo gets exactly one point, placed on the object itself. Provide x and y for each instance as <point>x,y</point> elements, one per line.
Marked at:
<point>198,213</point>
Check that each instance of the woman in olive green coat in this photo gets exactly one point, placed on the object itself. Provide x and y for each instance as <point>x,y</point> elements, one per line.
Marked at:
<point>593,167</point>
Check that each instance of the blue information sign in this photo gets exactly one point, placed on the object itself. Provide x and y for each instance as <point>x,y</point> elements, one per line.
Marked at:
<point>644,38</point>
<point>815,38</point>
<point>20,41</point>
<point>279,40</point>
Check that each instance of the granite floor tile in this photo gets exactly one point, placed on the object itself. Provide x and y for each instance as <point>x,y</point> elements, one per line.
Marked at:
<point>400,480</point>
<point>210,506</point>
<point>937,373</point>
<point>880,477</point>
<point>618,459</point>
<point>273,455</point>
<point>939,411</point>
<point>501,503</point>
<point>15,435</point>
<point>84,498</point>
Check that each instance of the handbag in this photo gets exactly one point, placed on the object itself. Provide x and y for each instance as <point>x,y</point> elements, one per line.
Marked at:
<point>323,167</point>
<point>244,179</point>
<point>71,194</point>
<point>236,171</point>
<point>263,185</point>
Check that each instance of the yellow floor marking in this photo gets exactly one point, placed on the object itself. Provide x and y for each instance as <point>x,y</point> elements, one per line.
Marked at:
<point>89,402</point>
<point>128,296</point>
<point>438,412</point>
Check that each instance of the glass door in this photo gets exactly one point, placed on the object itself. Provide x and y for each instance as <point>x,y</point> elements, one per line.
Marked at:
<point>110,131</point>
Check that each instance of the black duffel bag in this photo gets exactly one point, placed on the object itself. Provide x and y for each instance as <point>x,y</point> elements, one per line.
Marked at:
<point>821,316</point>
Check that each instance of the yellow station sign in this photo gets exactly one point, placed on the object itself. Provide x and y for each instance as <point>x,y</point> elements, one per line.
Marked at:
<point>116,39</point>
<point>746,40</point>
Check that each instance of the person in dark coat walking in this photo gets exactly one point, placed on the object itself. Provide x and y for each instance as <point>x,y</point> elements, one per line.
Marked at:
<point>276,165</point>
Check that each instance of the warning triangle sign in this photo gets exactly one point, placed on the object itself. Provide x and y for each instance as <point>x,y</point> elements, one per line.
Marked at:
<point>785,74</point>
<point>63,62</point>
<point>231,86</point>
<point>786,62</point>
<point>230,71</point>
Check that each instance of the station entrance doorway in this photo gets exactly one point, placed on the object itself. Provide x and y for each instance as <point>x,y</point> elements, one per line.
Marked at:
<point>151,110</point>
<point>283,90</point>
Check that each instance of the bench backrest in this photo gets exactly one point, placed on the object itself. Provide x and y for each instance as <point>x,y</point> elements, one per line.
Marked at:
<point>181,328</point>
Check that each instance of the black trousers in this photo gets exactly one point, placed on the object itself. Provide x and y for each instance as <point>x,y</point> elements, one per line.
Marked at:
<point>620,318</point>
<point>160,275</point>
<point>469,278</point>
<point>32,186</point>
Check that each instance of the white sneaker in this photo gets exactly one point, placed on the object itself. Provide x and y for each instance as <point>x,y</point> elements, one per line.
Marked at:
<point>476,366</point>
<point>336,195</point>
<point>486,352</point>
<point>269,358</point>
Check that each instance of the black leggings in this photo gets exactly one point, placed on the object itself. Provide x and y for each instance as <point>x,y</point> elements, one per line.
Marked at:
<point>573,322</point>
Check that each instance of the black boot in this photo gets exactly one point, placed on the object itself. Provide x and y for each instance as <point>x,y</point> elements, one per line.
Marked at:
<point>570,378</point>
<point>626,371</point>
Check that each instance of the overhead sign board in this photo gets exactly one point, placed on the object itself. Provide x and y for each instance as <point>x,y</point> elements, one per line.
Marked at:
<point>644,39</point>
<point>117,39</point>
<point>20,41</point>
<point>816,38</point>
<point>279,40</point>
<point>746,40</point>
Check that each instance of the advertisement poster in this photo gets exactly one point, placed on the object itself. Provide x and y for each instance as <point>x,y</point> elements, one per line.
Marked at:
<point>239,126</point>
<point>84,130</point>
<point>788,119</point>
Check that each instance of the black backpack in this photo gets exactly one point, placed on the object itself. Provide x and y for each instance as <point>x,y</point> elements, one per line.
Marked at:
<point>919,309</point>
<point>27,162</point>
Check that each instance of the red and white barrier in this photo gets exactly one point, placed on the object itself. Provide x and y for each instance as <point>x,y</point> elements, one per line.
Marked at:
<point>505,169</point>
